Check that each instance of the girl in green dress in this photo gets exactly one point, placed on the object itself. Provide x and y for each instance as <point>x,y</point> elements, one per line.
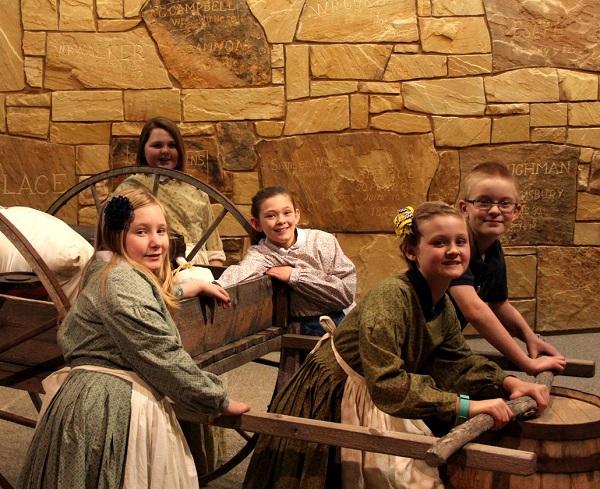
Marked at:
<point>110,423</point>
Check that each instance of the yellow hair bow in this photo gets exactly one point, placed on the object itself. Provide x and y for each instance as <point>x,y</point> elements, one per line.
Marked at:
<point>404,221</point>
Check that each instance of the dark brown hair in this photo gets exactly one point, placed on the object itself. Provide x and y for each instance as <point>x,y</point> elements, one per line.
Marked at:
<point>169,126</point>
<point>424,212</point>
<point>267,193</point>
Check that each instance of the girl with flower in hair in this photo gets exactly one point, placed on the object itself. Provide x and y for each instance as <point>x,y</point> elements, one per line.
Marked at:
<point>396,362</point>
<point>107,421</point>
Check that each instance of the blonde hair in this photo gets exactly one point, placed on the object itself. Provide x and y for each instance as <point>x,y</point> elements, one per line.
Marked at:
<point>422,213</point>
<point>114,241</point>
<point>487,170</point>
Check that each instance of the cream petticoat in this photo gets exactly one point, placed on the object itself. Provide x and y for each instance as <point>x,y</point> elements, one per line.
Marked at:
<point>158,456</point>
<point>369,470</point>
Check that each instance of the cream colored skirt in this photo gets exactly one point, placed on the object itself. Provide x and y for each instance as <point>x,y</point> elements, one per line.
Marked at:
<point>369,470</point>
<point>158,456</point>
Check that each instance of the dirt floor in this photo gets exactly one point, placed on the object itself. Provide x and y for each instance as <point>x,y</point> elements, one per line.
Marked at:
<point>253,383</point>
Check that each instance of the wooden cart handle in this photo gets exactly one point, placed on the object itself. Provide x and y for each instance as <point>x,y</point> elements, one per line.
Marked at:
<point>446,446</point>
<point>38,265</point>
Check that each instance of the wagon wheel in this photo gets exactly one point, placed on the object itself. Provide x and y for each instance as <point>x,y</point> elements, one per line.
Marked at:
<point>228,205</point>
<point>62,304</point>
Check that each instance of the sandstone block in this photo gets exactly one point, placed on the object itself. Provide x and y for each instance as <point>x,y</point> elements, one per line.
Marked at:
<point>104,60</point>
<point>35,173</point>
<point>457,96</point>
<point>375,256</point>
<point>349,182</point>
<point>588,207</point>
<point>131,8</point>
<point>469,64</point>
<point>460,132</point>
<point>358,61</point>
<point>455,35</point>
<point>540,34</point>
<point>277,56</point>
<point>424,8</point>
<point>583,177</point>
<point>411,66</point>
<point>92,159</point>
<point>34,71</point>
<point>296,72</point>
<point>39,15</point>
<point>245,186</point>
<point>34,43</point>
<point>28,100</point>
<point>504,109</point>
<point>269,129</point>
<point>278,76</point>
<point>586,155</point>
<point>383,103</point>
<point>584,114</point>
<point>406,48</point>
<point>401,122</point>
<point>277,17</point>
<point>527,308</point>
<point>322,88</point>
<point>589,136</point>
<point>109,9</point>
<point>141,105</point>
<point>587,233</point>
<point>86,198</point>
<point>233,104</point>
<point>76,15</point>
<point>236,142</point>
<point>127,128</point>
<point>359,111</point>
<point>568,300</point>
<point>11,75</point>
<point>117,25</point>
<point>203,162</point>
<point>210,44</point>
<point>379,87</point>
<point>543,115</point>
<point>549,134</point>
<point>194,129</point>
<point>521,272</point>
<point>2,114</point>
<point>594,184</point>
<point>87,216</point>
<point>230,226</point>
<point>80,133</point>
<point>524,85</point>
<point>574,85</point>
<point>82,106</point>
<point>446,180</point>
<point>353,21</point>
<point>546,175</point>
<point>28,121</point>
<point>510,129</point>
<point>457,7</point>
<point>317,115</point>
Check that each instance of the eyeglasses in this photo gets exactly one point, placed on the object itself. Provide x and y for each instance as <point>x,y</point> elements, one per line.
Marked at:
<point>486,204</point>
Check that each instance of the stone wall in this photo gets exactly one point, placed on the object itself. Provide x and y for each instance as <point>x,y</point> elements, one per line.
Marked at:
<point>358,106</point>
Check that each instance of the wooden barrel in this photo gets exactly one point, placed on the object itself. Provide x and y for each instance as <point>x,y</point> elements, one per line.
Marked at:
<point>566,439</point>
<point>22,284</point>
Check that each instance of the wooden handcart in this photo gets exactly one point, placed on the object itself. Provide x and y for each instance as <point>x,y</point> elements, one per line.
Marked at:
<point>218,339</point>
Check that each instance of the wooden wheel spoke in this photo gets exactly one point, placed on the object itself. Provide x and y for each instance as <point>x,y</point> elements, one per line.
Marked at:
<point>204,238</point>
<point>97,201</point>
<point>155,183</point>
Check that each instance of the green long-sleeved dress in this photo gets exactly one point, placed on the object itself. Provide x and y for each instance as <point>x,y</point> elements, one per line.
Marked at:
<point>120,323</point>
<point>412,355</point>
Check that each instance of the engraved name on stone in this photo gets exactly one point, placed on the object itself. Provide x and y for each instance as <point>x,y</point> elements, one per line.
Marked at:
<point>325,7</point>
<point>42,184</point>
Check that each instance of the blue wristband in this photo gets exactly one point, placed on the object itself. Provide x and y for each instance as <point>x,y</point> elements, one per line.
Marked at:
<point>463,408</point>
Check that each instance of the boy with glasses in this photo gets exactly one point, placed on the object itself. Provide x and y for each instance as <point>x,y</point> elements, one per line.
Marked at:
<point>490,204</point>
